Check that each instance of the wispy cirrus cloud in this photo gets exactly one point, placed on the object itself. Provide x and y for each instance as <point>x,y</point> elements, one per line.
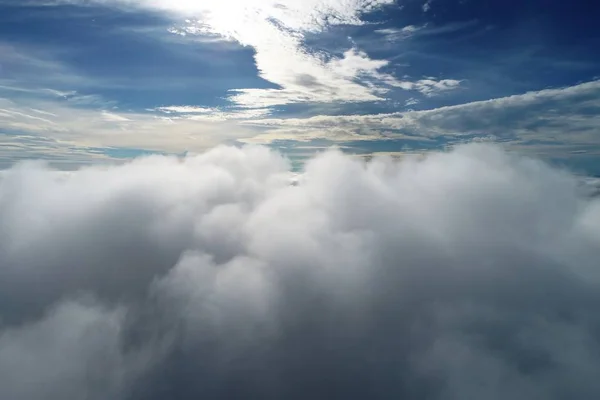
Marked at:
<point>553,121</point>
<point>212,113</point>
<point>393,34</point>
<point>66,132</point>
<point>29,69</point>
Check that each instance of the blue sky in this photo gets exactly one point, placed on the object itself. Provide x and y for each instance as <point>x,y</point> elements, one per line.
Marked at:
<point>102,80</point>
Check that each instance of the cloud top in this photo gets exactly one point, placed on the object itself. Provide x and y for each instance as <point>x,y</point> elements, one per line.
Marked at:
<point>465,274</point>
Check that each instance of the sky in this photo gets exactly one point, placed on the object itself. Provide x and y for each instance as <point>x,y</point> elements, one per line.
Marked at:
<point>102,81</point>
<point>315,199</point>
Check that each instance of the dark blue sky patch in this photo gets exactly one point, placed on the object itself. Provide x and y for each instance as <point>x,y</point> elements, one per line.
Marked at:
<point>500,48</point>
<point>131,56</point>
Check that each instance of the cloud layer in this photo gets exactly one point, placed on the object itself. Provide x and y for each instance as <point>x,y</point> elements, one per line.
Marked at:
<point>551,122</point>
<point>470,274</point>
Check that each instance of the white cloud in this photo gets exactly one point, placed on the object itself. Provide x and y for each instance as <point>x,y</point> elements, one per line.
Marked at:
<point>63,132</point>
<point>393,34</point>
<point>112,117</point>
<point>411,102</point>
<point>186,109</point>
<point>306,77</point>
<point>276,31</point>
<point>410,29</point>
<point>427,29</point>
<point>429,86</point>
<point>470,274</point>
<point>214,113</point>
<point>566,119</point>
<point>50,358</point>
<point>427,6</point>
<point>555,122</point>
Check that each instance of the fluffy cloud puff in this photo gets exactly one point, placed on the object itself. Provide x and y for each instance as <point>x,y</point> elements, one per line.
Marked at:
<point>469,274</point>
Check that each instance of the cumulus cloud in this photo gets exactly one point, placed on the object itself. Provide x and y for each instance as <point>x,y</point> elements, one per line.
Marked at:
<point>73,352</point>
<point>468,274</point>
